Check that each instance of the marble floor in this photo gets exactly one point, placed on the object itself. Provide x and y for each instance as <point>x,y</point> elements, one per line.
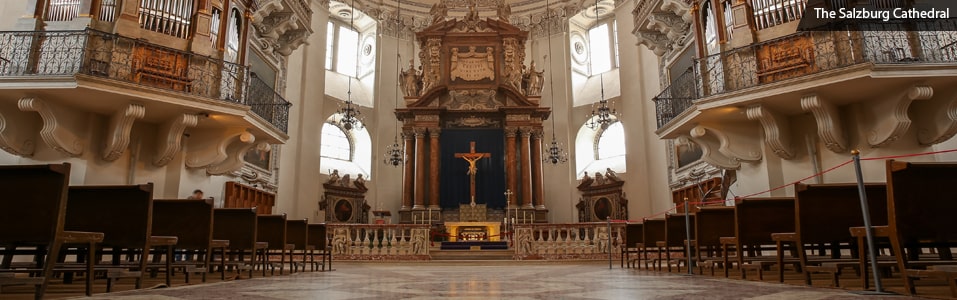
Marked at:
<point>479,280</point>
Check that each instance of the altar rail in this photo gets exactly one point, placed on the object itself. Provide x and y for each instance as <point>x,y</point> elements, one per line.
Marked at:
<point>379,241</point>
<point>567,241</point>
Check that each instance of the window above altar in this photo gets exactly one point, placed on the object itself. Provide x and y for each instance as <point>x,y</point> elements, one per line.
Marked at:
<point>593,43</point>
<point>349,151</point>
<point>351,48</point>
<point>599,149</point>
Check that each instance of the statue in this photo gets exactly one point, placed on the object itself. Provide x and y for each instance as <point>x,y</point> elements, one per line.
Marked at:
<point>439,12</point>
<point>611,175</point>
<point>534,79</point>
<point>411,79</point>
<point>504,11</point>
<point>473,14</point>
<point>599,179</point>
<point>339,239</point>
<point>334,177</point>
<point>360,183</point>
<point>344,181</point>
<point>585,181</point>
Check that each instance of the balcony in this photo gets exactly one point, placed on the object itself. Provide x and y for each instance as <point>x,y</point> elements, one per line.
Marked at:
<point>32,55</point>
<point>734,76</point>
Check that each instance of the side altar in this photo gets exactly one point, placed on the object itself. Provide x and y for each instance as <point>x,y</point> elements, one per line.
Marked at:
<point>472,125</point>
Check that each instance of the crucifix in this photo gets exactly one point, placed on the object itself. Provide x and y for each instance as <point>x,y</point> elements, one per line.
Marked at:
<point>471,157</point>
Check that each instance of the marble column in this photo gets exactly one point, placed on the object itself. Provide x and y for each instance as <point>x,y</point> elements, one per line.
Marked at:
<point>526,161</point>
<point>434,168</point>
<point>408,179</point>
<point>420,157</point>
<point>510,163</point>
<point>538,196</point>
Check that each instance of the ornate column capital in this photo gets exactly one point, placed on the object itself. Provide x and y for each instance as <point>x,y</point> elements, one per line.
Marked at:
<point>511,132</point>
<point>435,132</point>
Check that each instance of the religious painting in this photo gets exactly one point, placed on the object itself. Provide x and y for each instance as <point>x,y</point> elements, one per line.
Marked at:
<point>343,210</point>
<point>602,208</point>
<point>258,158</point>
<point>687,153</point>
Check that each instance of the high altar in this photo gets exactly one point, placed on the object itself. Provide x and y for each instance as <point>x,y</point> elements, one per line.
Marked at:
<point>472,124</point>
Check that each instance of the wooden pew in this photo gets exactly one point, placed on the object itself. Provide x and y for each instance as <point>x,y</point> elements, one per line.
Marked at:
<point>271,229</point>
<point>920,212</point>
<point>712,223</point>
<point>297,234</point>
<point>755,219</point>
<point>676,238</point>
<point>633,233</point>
<point>821,212</point>
<point>123,213</point>
<point>32,213</point>
<point>319,245</point>
<point>192,222</point>
<point>653,231</point>
<point>239,227</point>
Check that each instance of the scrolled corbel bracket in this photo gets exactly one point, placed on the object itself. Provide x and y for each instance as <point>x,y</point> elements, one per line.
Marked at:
<point>887,117</point>
<point>236,152</point>
<point>726,147</point>
<point>938,121</point>
<point>170,137</point>
<point>828,119</point>
<point>776,130</point>
<point>57,123</point>
<point>118,132</point>
<point>18,131</point>
<point>209,147</point>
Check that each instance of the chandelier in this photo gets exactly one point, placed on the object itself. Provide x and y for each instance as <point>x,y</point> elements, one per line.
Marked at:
<point>602,114</point>
<point>351,117</point>
<point>555,153</point>
<point>395,153</point>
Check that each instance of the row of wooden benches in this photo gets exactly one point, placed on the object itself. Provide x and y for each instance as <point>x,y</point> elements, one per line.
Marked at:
<point>44,218</point>
<point>914,215</point>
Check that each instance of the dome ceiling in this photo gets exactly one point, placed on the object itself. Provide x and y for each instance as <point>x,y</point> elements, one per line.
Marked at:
<point>415,13</point>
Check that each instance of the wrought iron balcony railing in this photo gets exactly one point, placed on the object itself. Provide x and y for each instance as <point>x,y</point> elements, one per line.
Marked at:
<point>95,53</point>
<point>806,53</point>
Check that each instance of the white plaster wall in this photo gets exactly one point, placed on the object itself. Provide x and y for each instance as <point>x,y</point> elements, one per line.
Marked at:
<point>10,12</point>
<point>299,178</point>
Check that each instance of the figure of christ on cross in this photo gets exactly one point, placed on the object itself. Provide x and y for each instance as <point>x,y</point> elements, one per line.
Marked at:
<point>471,157</point>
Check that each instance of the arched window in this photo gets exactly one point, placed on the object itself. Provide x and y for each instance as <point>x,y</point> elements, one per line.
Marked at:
<point>611,142</point>
<point>335,143</point>
<point>349,151</point>
<point>597,150</point>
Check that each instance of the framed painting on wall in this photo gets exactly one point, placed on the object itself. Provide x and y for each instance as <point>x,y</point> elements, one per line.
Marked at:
<point>260,159</point>
<point>687,153</point>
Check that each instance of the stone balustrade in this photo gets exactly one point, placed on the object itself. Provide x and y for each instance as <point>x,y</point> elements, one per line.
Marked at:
<point>567,241</point>
<point>379,241</point>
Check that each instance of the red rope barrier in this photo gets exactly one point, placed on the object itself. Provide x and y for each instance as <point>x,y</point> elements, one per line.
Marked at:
<point>792,183</point>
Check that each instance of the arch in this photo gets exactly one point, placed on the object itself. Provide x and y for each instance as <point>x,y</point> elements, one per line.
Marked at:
<point>349,151</point>
<point>597,150</point>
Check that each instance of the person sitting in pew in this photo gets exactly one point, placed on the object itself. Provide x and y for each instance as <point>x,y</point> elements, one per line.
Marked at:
<point>197,195</point>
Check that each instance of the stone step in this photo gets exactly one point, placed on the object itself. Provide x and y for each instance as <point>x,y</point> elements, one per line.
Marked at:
<point>472,255</point>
